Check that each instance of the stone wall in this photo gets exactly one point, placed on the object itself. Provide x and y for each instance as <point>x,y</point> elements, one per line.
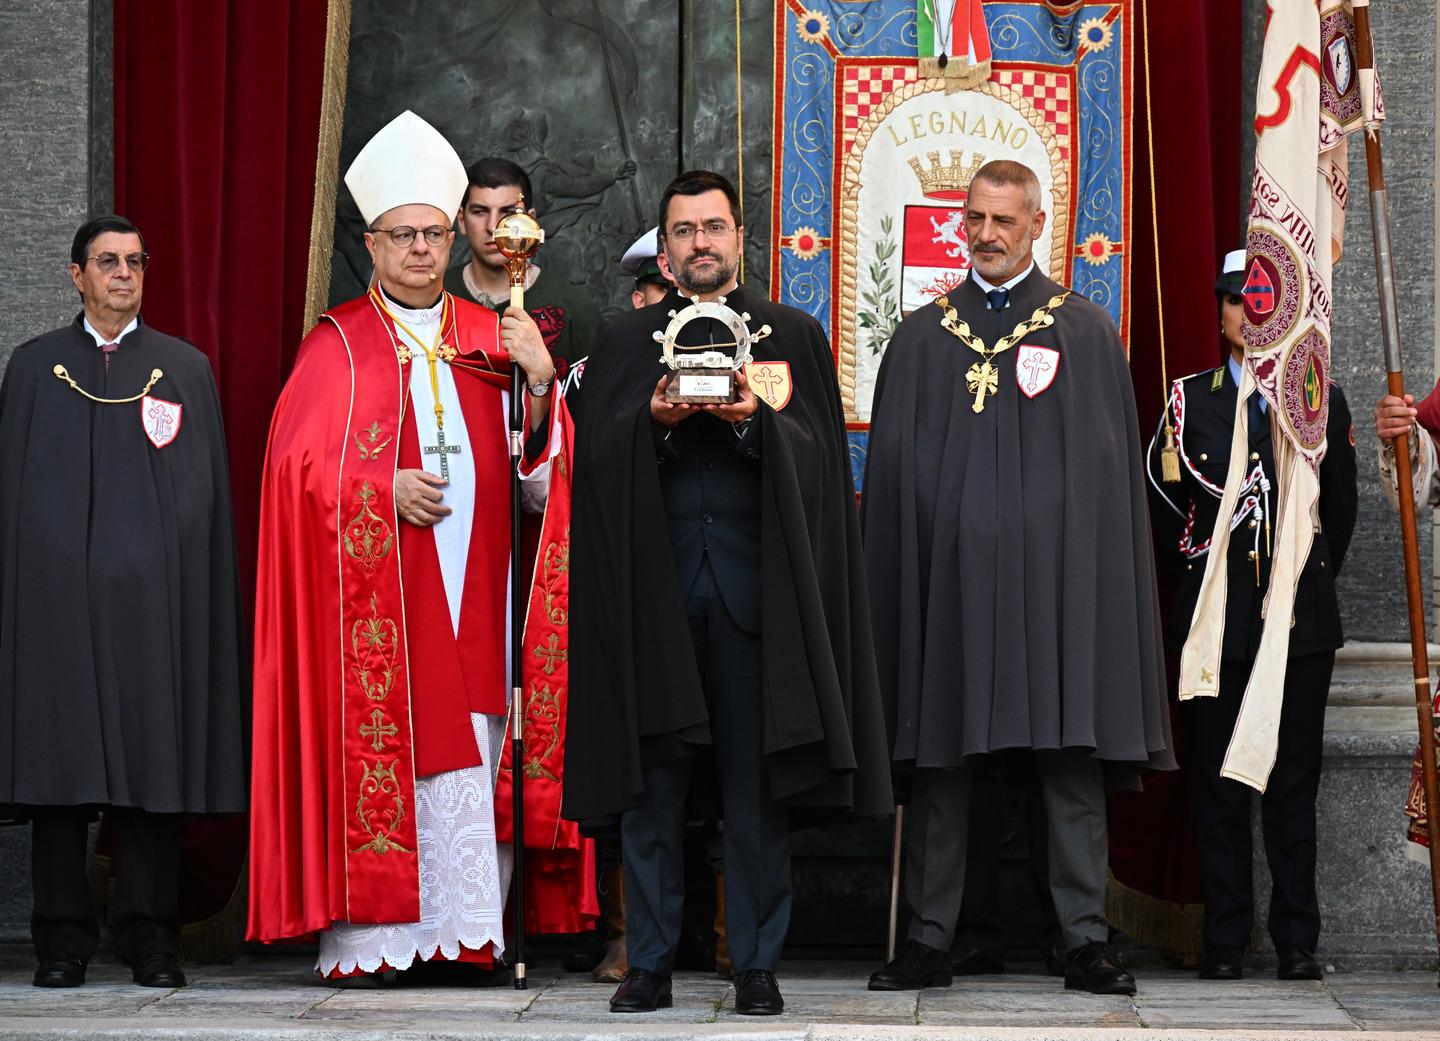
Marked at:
<point>50,91</point>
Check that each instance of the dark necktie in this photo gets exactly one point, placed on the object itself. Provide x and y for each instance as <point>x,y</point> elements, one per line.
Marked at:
<point>108,349</point>
<point>998,298</point>
<point>1257,416</point>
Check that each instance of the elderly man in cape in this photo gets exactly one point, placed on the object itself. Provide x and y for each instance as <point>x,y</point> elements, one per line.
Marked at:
<point>1007,544</point>
<point>381,615</point>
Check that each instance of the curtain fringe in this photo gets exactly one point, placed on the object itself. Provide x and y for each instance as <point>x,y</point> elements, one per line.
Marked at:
<point>1174,928</point>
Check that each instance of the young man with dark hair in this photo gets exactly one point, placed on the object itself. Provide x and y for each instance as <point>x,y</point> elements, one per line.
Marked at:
<point>563,314</point>
<point>120,678</point>
<point>693,524</point>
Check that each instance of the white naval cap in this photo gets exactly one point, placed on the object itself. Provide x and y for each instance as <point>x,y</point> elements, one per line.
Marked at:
<point>407,162</point>
<point>646,247</point>
<point>1234,261</point>
<point>1231,279</point>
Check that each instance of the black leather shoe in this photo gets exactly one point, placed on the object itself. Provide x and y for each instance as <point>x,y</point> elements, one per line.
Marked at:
<point>757,993</point>
<point>915,967</point>
<point>1096,968</point>
<point>641,991</point>
<point>158,970</point>
<point>1223,963</point>
<point>971,961</point>
<point>63,970</point>
<point>1298,963</point>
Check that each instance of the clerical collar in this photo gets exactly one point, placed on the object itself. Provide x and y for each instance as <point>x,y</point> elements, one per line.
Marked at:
<point>414,314</point>
<point>986,287</point>
<point>100,340</point>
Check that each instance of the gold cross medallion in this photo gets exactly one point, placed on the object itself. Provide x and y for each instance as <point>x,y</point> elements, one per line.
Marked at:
<point>982,378</point>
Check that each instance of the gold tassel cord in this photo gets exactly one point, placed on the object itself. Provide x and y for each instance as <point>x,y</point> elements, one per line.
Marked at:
<point>1169,454</point>
<point>62,374</point>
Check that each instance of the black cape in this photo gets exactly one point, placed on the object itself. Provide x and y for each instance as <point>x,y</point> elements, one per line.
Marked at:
<point>120,634</point>
<point>636,698</point>
<point>1008,551</point>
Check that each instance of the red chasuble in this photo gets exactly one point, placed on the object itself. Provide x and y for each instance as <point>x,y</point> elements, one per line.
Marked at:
<point>361,683</point>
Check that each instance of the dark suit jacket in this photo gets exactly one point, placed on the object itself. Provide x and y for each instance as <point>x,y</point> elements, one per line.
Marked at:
<point>710,482</point>
<point>1204,439</point>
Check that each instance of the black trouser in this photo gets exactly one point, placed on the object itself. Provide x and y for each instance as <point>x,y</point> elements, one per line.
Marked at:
<point>1222,807</point>
<point>756,834</point>
<point>145,913</point>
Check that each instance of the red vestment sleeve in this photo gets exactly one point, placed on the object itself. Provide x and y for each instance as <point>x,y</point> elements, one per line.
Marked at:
<point>294,887</point>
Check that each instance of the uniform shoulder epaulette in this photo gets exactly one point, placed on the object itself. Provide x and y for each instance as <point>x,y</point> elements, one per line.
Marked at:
<point>1217,380</point>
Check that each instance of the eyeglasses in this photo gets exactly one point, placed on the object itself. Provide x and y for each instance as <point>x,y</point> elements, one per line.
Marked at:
<point>109,262</point>
<point>1234,298</point>
<point>715,231</point>
<point>404,236</point>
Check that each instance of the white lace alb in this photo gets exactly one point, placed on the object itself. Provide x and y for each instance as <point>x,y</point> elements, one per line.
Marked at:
<point>462,898</point>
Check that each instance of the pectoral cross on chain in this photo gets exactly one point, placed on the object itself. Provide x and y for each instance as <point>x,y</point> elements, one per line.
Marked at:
<point>982,378</point>
<point>442,450</point>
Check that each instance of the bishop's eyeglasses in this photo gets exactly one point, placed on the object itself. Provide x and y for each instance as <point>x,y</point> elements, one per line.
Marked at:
<point>108,263</point>
<point>404,236</point>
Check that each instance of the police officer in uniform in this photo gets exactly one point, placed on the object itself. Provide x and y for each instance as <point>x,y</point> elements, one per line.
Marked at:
<point>1202,413</point>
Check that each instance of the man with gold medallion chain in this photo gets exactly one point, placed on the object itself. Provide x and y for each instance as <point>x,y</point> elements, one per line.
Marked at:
<point>1007,544</point>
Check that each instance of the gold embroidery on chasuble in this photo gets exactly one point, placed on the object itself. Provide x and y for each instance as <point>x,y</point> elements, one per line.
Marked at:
<point>379,831</point>
<point>542,732</point>
<point>368,538</point>
<point>374,443</point>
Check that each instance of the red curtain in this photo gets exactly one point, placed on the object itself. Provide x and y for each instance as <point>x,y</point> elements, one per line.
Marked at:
<point>217,116</point>
<point>1194,93</point>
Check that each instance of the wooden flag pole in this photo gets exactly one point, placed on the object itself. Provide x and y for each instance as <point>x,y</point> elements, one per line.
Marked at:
<point>1390,337</point>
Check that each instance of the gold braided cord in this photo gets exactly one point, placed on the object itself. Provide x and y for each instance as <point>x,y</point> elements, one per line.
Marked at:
<point>1169,455</point>
<point>433,353</point>
<point>327,160</point>
<point>62,374</point>
<point>739,137</point>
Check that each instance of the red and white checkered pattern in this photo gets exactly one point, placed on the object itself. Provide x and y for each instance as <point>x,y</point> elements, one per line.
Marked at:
<point>1050,93</point>
<point>864,87</point>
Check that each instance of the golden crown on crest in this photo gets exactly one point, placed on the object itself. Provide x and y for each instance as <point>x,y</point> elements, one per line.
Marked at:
<point>949,181</point>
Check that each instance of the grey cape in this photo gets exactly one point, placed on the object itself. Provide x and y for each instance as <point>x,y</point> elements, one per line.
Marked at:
<point>121,677</point>
<point>1010,566</point>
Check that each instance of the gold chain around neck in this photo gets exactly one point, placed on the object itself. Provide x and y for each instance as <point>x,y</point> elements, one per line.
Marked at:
<point>433,353</point>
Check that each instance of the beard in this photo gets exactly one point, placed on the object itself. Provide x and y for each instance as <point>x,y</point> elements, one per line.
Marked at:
<point>701,282</point>
<point>993,266</point>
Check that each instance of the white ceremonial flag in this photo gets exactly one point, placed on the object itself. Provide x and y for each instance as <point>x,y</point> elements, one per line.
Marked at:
<point>1310,96</point>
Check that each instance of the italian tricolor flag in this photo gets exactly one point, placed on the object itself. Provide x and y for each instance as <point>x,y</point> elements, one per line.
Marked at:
<point>953,28</point>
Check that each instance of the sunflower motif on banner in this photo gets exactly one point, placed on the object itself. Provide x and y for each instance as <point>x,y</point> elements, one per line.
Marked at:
<point>873,159</point>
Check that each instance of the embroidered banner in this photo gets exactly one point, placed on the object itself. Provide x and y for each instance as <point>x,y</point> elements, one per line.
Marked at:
<point>872,161</point>
<point>1309,98</point>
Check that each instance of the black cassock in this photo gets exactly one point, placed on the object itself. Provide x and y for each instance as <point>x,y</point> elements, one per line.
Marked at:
<point>636,698</point>
<point>1009,557</point>
<point>121,677</point>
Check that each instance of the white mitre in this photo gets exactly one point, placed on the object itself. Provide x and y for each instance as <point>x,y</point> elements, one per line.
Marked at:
<point>407,162</point>
<point>646,247</point>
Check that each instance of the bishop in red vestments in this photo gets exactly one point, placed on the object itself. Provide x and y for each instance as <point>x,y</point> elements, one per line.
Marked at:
<point>381,615</point>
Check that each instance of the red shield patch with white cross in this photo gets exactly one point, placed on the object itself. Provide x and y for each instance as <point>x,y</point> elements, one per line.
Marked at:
<point>1035,368</point>
<point>161,420</point>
